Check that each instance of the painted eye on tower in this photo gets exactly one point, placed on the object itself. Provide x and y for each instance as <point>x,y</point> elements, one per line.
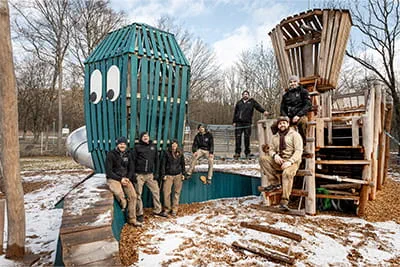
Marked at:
<point>113,83</point>
<point>95,87</point>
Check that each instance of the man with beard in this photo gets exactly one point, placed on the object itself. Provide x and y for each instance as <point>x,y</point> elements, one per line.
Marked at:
<point>295,104</point>
<point>120,179</point>
<point>242,118</point>
<point>145,158</point>
<point>284,156</point>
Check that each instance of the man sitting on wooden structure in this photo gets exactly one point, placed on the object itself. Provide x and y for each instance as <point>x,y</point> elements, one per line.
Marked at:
<point>203,146</point>
<point>295,104</point>
<point>283,158</point>
<point>120,179</point>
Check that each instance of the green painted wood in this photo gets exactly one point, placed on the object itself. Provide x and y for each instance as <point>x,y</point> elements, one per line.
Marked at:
<point>118,36</point>
<point>111,115</point>
<point>168,108</point>
<point>162,104</point>
<point>123,95</point>
<point>153,43</point>
<point>134,69</point>
<point>149,52</point>
<point>97,50</point>
<point>140,42</point>
<point>112,40</point>
<point>132,41</point>
<point>160,45</point>
<point>151,95</point>
<point>143,95</point>
<point>172,46</point>
<point>93,111</point>
<point>105,120</point>
<point>99,112</point>
<point>87,107</point>
<point>173,126</point>
<point>184,60</point>
<point>166,44</point>
<point>117,106</point>
<point>177,50</point>
<point>156,93</point>
<point>182,105</point>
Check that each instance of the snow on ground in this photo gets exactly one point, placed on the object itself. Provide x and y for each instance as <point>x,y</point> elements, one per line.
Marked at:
<point>205,238</point>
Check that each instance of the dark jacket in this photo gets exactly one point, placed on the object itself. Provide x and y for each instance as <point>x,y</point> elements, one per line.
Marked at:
<point>203,141</point>
<point>244,111</point>
<point>173,165</point>
<point>145,158</point>
<point>118,165</point>
<point>295,102</point>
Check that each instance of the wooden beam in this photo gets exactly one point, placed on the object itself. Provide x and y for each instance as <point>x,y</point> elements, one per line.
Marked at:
<point>343,162</point>
<point>302,43</point>
<point>341,186</point>
<point>355,198</point>
<point>269,254</point>
<point>320,136</point>
<point>272,230</point>
<point>342,179</point>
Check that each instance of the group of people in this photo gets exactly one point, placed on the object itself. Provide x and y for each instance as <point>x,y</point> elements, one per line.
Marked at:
<point>128,171</point>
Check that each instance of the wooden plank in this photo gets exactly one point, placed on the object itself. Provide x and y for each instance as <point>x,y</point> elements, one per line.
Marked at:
<point>2,214</point>
<point>140,41</point>
<point>355,132</point>
<point>342,179</point>
<point>341,147</point>
<point>123,88</point>
<point>153,43</point>
<point>376,130</point>
<point>173,127</point>
<point>387,128</point>
<point>301,16</point>
<point>284,56</point>
<point>330,196</point>
<point>334,20</point>
<point>307,56</point>
<point>87,108</point>
<point>280,59</point>
<point>88,236</point>
<point>162,104</point>
<point>182,108</point>
<point>149,52</point>
<point>266,253</point>
<point>112,261</point>
<point>132,42</point>
<point>133,100</point>
<point>320,136</point>
<point>173,49</point>
<point>152,97</point>
<point>333,46</point>
<point>168,108</point>
<point>160,45</point>
<point>105,119</point>
<point>156,93</point>
<point>272,230</point>
<point>345,186</point>
<point>168,49</point>
<point>143,93</point>
<point>343,162</point>
<point>322,51</point>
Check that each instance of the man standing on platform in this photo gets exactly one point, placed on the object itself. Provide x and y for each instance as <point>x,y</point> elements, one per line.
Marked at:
<point>284,157</point>
<point>295,104</point>
<point>242,118</point>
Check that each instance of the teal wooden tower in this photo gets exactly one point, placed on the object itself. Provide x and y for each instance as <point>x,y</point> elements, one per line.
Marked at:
<point>136,79</point>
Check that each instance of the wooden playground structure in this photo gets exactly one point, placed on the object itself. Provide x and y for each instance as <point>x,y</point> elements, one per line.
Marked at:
<point>347,151</point>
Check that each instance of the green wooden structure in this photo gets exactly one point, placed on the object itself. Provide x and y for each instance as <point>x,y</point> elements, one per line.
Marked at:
<point>136,79</point>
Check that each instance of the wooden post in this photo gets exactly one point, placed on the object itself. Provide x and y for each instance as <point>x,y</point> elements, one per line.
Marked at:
<point>388,127</point>
<point>376,128</point>
<point>2,210</point>
<point>272,230</point>
<point>381,142</point>
<point>261,136</point>
<point>9,153</point>
<point>355,132</point>
<point>366,173</point>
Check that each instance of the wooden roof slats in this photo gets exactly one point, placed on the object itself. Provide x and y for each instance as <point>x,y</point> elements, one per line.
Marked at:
<point>318,52</point>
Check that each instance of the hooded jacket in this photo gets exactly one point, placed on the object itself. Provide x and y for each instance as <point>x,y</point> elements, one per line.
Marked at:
<point>295,102</point>
<point>173,165</point>
<point>145,158</point>
<point>244,110</point>
<point>203,141</point>
<point>118,165</point>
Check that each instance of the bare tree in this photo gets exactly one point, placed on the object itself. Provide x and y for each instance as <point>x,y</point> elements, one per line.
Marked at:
<point>379,22</point>
<point>45,30</point>
<point>9,153</point>
<point>93,20</point>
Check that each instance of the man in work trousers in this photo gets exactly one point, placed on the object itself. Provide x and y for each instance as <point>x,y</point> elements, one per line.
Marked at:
<point>203,146</point>
<point>119,173</point>
<point>284,157</point>
<point>295,104</point>
<point>242,118</point>
<point>145,158</point>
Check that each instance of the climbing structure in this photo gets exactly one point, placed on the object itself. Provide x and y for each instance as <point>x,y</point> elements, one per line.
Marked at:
<point>136,80</point>
<point>346,153</point>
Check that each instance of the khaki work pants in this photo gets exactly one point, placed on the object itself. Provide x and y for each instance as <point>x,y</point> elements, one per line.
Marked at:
<point>302,127</point>
<point>203,153</point>
<point>152,184</point>
<point>176,181</point>
<point>271,170</point>
<point>126,197</point>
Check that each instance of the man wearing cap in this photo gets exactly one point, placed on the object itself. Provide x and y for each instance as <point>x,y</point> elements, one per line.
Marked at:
<point>203,146</point>
<point>284,157</point>
<point>242,118</point>
<point>295,104</point>
<point>120,179</point>
<point>145,160</point>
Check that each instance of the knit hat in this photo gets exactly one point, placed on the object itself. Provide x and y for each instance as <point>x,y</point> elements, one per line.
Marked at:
<point>283,118</point>
<point>121,140</point>
<point>294,78</point>
<point>200,125</point>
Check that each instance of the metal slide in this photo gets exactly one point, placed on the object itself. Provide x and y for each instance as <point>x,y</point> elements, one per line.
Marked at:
<point>77,147</point>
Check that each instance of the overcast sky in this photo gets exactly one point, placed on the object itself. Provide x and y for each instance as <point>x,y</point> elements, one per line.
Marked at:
<point>228,26</point>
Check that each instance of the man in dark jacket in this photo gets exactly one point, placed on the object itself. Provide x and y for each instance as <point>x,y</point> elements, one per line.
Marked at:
<point>173,173</point>
<point>242,119</point>
<point>145,158</point>
<point>119,173</point>
<point>295,104</point>
<point>203,146</point>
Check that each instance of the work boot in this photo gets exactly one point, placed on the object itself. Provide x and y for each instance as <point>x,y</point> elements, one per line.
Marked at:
<point>140,218</point>
<point>283,207</point>
<point>236,156</point>
<point>135,223</point>
<point>173,214</point>
<point>161,214</point>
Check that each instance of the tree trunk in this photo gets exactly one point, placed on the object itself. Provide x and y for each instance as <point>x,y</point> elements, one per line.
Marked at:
<point>60,119</point>
<point>9,142</point>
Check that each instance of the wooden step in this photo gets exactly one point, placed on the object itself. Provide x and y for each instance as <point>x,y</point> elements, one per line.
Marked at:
<point>340,147</point>
<point>343,179</point>
<point>343,162</point>
<point>355,198</point>
<point>295,192</point>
